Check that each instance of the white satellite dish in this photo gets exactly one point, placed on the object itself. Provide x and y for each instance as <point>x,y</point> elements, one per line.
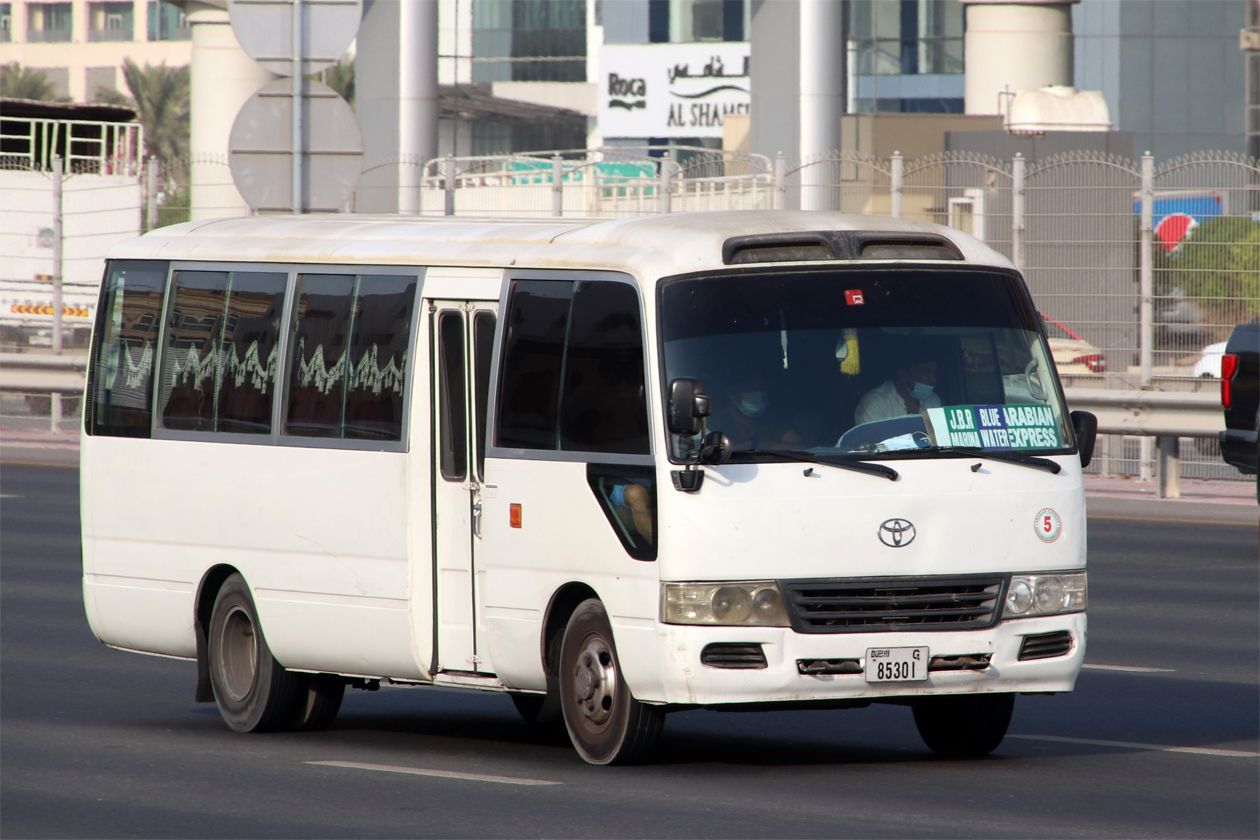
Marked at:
<point>265,30</point>
<point>260,149</point>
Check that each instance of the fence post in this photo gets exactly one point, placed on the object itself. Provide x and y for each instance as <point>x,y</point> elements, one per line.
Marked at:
<point>58,168</point>
<point>780,181</point>
<point>666,186</point>
<point>150,199</point>
<point>1017,212</point>
<point>448,172</point>
<point>1169,466</point>
<point>897,167</point>
<point>1146,326</point>
<point>557,186</point>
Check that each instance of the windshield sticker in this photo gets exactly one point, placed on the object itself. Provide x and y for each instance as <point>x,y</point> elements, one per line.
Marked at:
<point>996,426</point>
<point>854,297</point>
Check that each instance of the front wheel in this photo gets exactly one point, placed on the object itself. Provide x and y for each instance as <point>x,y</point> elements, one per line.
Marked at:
<point>253,691</point>
<point>964,724</point>
<point>606,724</point>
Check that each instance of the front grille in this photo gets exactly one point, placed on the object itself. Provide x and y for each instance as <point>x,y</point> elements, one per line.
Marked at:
<point>733,655</point>
<point>863,605</point>
<point>1045,645</point>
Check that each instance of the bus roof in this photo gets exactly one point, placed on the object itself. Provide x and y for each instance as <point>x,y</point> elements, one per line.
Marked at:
<point>646,246</point>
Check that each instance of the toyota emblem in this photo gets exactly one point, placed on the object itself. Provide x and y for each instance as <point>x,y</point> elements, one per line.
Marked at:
<point>896,533</point>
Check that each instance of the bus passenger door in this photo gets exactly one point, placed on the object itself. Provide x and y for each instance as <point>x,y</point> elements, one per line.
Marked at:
<point>462,339</point>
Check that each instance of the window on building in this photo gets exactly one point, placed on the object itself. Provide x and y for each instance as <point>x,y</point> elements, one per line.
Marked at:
<point>6,23</point>
<point>908,39</point>
<point>167,22</point>
<point>529,40</point>
<point>110,22</point>
<point>49,22</point>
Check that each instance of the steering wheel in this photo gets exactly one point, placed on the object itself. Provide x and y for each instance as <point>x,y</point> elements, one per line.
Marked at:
<point>1034,381</point>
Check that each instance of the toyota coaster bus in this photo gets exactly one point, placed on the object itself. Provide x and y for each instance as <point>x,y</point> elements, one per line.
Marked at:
<point>737,460</point>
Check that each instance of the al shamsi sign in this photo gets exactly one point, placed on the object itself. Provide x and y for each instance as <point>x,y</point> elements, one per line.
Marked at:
<point>672,90</point>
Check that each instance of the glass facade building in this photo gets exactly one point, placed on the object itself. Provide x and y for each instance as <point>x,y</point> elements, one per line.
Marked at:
<point>529,40</point>
<point>906,56</point>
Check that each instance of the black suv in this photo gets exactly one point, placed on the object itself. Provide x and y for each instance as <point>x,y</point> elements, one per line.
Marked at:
<point>1240,397</point>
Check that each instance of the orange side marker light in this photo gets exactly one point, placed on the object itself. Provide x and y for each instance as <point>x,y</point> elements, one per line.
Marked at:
<point>514,515</point>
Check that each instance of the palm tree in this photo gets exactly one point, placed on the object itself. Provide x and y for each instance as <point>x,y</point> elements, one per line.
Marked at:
<point>160,98</point>
<point>340,77</point>
<point>18,82</point>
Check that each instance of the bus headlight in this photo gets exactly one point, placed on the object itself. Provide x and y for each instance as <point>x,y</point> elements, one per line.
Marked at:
<point>756,603</point>
<point>1049,594</point>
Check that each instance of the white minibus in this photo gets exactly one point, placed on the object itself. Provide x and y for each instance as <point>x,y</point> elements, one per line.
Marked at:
<point>737,460</point>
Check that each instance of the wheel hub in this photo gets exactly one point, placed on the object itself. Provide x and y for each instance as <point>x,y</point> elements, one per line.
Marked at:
<point>239,654</point>
<point>595,681</point>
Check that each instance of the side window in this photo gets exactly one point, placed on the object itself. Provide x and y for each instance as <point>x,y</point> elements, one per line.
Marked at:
<point>604,407</point>
<point>219,363</point>
<point>533,358</point>
<point>348,364</point>
<point>572,370</point>
<point>120,389</point>
<point>483,346</point>
<point>452,400</point>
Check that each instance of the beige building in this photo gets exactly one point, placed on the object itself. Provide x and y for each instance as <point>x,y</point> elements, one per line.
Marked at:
<point>81,44</point>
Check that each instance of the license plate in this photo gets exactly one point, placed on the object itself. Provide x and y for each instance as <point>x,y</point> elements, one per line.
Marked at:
<point>896,664</point>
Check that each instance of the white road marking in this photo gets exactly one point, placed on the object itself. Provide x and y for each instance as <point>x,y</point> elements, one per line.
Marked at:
<point>1131,746</point>
<point>8,496</point>
<point>444,774</point>
<point>1134,668</point>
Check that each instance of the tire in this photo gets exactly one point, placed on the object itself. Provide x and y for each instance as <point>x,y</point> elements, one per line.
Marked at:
<point>544,709</point>
<point>324,693</point>
<point>605,723</point>
<point>965,724</point>
<point>253,692</point>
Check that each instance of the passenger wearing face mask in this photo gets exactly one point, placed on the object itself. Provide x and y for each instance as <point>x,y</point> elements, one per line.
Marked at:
<point>911,390</point>
<point>745,417</point>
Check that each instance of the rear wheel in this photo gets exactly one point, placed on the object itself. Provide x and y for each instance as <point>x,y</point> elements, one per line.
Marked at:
<point>253,692</point>
<point>965,724</point>
<point>606,724</point>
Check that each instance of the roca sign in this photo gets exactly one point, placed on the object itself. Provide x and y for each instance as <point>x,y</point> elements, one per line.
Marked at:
<point>672,90</point>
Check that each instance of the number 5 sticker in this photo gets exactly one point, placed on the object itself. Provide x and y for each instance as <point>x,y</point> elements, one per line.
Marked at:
<point>1047,525</point>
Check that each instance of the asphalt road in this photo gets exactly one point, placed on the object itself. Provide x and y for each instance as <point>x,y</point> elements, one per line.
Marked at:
<point>99,743</point>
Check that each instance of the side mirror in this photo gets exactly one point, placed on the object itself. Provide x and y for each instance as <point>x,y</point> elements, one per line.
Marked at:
<point>1086,426</point>
<point>688,406</point>
<point>716,448</point>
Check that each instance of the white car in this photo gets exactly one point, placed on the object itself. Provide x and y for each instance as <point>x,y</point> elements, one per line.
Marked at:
<point>1209,363</point>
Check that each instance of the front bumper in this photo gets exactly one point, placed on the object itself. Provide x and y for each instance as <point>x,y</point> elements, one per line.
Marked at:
<point>688,681</point>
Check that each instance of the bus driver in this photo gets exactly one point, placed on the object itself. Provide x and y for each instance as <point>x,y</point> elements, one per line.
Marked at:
<point>909,392</point>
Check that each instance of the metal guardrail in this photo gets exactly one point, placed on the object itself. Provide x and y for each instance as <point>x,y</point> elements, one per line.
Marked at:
<point>1152,413</point>
<point>42,374</point>
<point>1166,416</point>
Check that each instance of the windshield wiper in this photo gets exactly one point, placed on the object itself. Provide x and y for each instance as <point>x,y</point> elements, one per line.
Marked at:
<point>999,455</point>
<point>814,458</point>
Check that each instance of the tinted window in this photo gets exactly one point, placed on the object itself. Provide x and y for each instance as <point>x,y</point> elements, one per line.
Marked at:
<point>349,361</point>
<point>452,402</point>
<point>219,366</point>
<point>603,408</point>
<point>127,322</point>
<point>533,356</point>
<point>483,345</point>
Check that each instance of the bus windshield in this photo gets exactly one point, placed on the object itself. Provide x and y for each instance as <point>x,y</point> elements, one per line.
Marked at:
<point>873,363</point>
